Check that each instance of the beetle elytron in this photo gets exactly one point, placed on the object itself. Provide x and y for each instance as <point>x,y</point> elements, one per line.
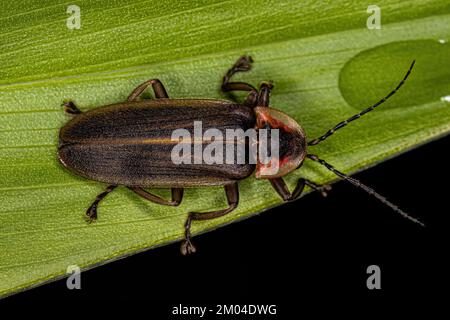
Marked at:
<point>129,144</point>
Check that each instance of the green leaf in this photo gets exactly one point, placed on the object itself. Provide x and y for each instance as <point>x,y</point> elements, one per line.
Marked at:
<point>326,65</point>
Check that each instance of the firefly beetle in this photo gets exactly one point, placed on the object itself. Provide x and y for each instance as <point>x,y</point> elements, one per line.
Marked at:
<point>129,144</point>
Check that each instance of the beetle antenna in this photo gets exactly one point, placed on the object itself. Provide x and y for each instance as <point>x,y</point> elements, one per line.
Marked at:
<point>358,115</point>
<point>369,190</point>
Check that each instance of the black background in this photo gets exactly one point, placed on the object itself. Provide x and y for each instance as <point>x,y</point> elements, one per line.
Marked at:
<point>315,249</point>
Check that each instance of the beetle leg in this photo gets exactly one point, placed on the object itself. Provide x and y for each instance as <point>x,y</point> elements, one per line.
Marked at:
<point>158,89</point>
<point>177,196</point>
<point>232,193</point>
<point>91,213</point>
<point>281,188</point>
<point>243,64</point>
<point>264,94</point>
<point>70,107</point>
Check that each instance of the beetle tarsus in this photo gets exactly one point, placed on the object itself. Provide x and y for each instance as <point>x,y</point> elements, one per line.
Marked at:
<point>232,193</point>
<point>70,107</point>
<point>321,188</point>
<point>187,247</point>
<point>243,64</point>
<point>91,213</point>
<point>281,188</point>
<point>255,97</point>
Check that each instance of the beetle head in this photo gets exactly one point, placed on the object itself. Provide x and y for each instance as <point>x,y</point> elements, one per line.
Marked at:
<point>291,143</point>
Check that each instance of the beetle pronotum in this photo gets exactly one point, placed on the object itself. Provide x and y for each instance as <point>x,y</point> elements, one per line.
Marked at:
<point>129,144</point>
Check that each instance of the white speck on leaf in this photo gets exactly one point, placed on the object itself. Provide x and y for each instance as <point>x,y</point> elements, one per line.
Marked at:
<point>446,98</point>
